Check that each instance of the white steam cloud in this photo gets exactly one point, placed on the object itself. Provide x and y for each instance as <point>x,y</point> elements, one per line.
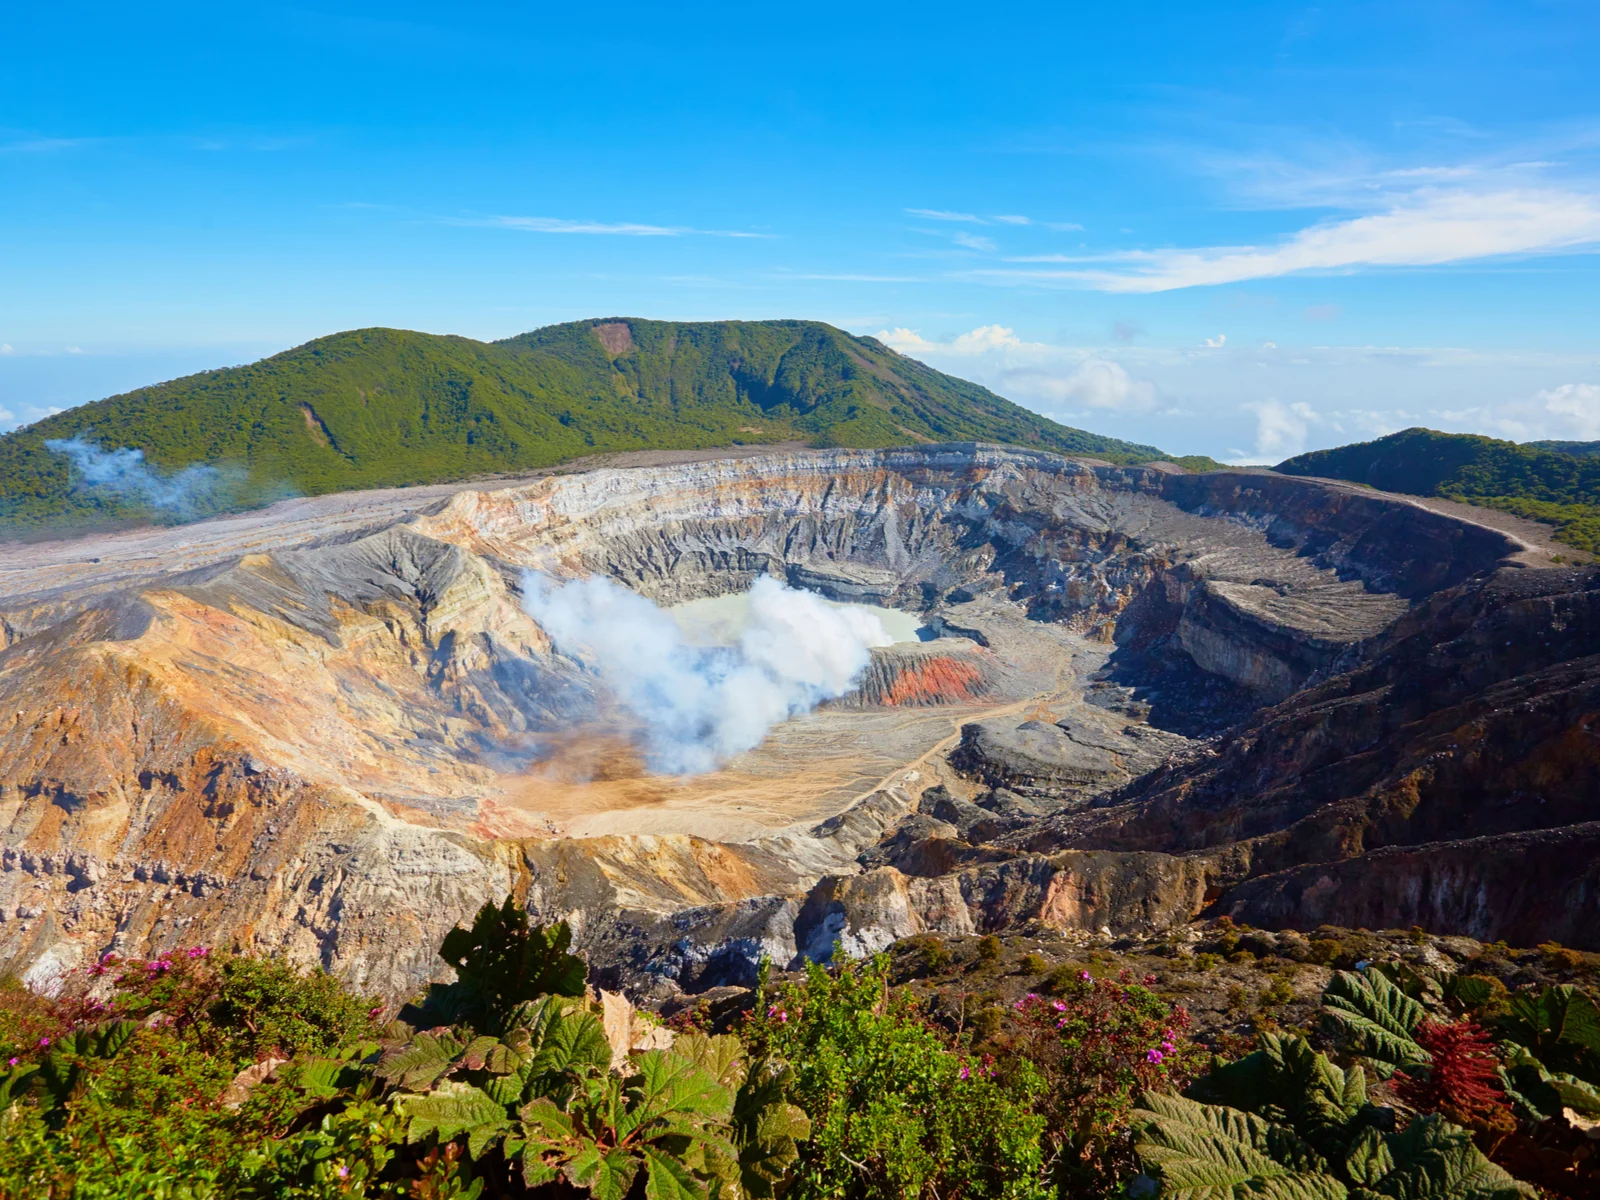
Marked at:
<point>124,472</point>
<point>698,706</point>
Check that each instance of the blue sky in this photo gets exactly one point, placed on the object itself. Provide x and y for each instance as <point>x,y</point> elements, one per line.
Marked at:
<point>1242,229</point>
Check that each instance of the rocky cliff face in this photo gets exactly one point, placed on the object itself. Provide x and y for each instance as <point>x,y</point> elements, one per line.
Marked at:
<point>336,747</point>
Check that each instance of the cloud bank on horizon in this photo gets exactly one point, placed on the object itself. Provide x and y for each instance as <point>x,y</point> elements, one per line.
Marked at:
<point>1168,396</point>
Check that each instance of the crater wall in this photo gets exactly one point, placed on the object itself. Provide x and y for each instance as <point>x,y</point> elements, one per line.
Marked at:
<point>313,748</point>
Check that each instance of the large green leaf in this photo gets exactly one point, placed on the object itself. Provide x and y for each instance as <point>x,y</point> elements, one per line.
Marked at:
<point>767,1129</point>
<point>1432,1159</point>
<point>320,1078</point>
<point>564,1039</point>
<point>668,1178</point>
<point>1541,1093</point>
<point>1560,1026</point>
<point>451,1109</point>
<point>110,1040</point>
<point>722,1057</point>
<point>415,1065</point>
<point>672,1089</point>
<point>607,1174</point>
<point>1209,1152</point>
<point>1288,1082</point>
<point>1374,1018</point>
<point>503,960</point>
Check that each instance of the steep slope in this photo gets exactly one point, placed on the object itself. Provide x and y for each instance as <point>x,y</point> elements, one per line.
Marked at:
<point>1554,482</point>
<point>1448,779</point>
<point>335,747</point>
<point>385,407</point>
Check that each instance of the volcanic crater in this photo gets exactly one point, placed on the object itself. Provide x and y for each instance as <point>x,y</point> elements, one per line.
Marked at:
<point>331,730</point>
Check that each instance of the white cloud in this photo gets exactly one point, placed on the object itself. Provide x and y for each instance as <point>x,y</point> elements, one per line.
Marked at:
<point>1281,430</point>
<point>1050,379</point>
<point>615,229</point>
<point>858,278</point>
<point>940,214</point>
<point>7,416</point>
<point>1012,219</point>
<point>1428,227</point>
<point>1569,412</point>
<point>973,241</point>
<point>1093,383</point>
<point>981,340</point>
<point>5,348</point>
<point>1269,345</point>
<point>556,225</point>
<point>1217,342</point>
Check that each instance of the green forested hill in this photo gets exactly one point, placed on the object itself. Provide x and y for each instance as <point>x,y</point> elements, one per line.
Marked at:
<point>1560,488</point>
<point>386,407</point>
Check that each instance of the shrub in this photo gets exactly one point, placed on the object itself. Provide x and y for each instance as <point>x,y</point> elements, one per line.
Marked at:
<point>1326,951</point>
<point>1033,964</point>
<point>989,949</point>
<point>270,1007</point>
<point>893,1111</point>
<point>1061,978</point>
<point>1097,1047</point>
<point>1559,957</point>
<point>1281,992</point>
<point>935,954</point>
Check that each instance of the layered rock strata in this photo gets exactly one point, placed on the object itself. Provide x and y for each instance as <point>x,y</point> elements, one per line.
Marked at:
<point>332,750</point>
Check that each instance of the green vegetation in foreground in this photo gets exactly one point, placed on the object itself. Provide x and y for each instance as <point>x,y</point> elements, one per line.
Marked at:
<point>386,408</point>
<point>198,1075</point>
<point>1542,484</point>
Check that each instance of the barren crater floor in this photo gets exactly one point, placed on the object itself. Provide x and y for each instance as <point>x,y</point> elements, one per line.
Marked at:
<point>330,729</point>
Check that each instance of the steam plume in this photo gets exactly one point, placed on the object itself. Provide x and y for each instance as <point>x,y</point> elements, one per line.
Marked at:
<point>124,472</point>
<point>698,706</point>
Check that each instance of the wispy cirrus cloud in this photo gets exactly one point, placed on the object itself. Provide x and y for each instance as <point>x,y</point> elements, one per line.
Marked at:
<point>854,278</point>
<point>939,214</point>
<point>602,228</point>
<point>43,145</point>
<point>973,241</point>
<point>1429,227</point>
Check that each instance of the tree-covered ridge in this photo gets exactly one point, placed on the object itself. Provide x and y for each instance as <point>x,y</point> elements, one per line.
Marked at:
<point>1562,489</point>
<point>386,407</point>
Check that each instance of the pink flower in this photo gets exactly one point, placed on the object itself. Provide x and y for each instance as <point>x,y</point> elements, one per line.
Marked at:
<point>1085,976</point>
<point>1168,1047</point>
<point>1154,1056</point>
<point>198,951</point>
<point>1058,1006</point>
<point>966,1072</point>
<point>44,1041</point>
<point>1149,979</point>
<point>11,1062</point>
<point>344,1172</point>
